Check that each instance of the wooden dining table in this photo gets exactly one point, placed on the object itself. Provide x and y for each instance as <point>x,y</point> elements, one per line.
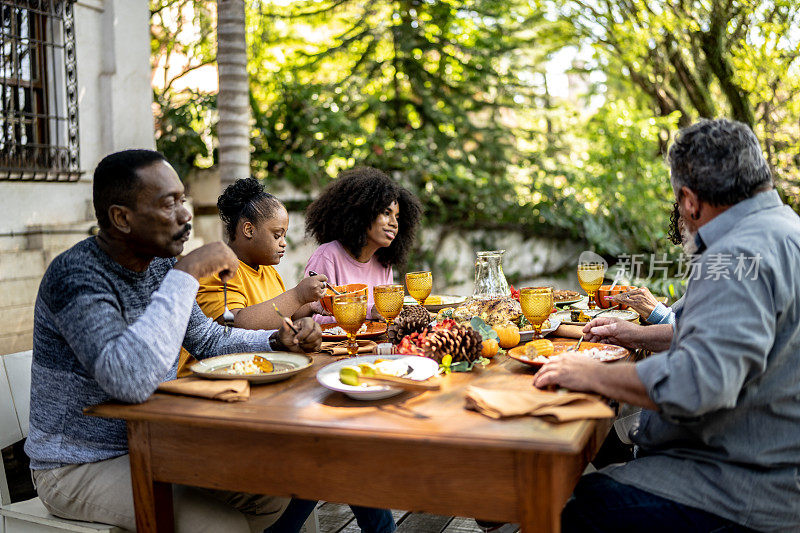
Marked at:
<point>422,452</point>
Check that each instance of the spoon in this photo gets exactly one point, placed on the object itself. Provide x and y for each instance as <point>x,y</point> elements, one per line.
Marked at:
<point>312,273</point>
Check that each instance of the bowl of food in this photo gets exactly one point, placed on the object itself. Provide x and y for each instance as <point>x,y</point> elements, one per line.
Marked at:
<point>603,296</point>
<point>327,300</point>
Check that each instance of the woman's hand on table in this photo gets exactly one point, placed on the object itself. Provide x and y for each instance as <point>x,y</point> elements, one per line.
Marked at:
<point>640,300</point>
<point>308,337</point>
<point>571,371</point>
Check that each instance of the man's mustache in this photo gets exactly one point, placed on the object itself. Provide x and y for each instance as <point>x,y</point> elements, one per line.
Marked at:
<point>183,233</point>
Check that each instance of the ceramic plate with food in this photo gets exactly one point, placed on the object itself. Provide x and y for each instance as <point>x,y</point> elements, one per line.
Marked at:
<point>369,330</point>
<point>594,350</point>
<point>414,367</point>
<point>436,302</point>
<point>260,367</point>
<point>584,315</point>
<point>565,297</point>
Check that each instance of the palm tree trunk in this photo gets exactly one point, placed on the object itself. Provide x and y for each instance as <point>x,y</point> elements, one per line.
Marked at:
<point>233,101</point>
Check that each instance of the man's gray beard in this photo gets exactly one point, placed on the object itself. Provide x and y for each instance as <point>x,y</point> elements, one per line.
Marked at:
<point>688,241</point>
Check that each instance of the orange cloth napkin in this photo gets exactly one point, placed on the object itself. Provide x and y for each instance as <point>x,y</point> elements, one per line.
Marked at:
<point>226,390</point>
<point>340,348</point>
<point>558,406</point>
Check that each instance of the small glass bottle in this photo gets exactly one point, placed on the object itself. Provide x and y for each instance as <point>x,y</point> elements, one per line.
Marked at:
<point>490,282</point>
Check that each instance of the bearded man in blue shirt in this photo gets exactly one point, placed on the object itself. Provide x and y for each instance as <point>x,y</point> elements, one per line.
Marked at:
<point>718,446</point>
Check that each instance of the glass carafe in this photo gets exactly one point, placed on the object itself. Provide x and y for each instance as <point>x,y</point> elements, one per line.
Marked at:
<point>490,282</point>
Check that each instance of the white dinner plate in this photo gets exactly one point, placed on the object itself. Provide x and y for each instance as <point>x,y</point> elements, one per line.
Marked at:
<point>525,336</point>
<point>422,368</point>
<point>286,364</point>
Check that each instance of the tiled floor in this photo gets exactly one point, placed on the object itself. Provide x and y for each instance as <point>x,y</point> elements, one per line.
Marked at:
<point>337,518</point>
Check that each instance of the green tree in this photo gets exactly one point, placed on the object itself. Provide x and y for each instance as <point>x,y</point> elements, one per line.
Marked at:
<point>426,89</point>
<point>739,59</point>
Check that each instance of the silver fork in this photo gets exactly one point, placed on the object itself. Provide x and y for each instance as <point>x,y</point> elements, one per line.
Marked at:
<point>227,316</point>
<point>312,273</point>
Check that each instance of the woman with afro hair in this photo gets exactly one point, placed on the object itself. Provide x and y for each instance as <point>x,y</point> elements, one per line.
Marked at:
<point>365,224</point>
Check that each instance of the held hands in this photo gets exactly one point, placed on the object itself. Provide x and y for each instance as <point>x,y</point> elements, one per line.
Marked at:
<point>614,331</point>
<point>311,289</point>
<point>640,300</point>
<point>210,259</point>
<point>307,338</point>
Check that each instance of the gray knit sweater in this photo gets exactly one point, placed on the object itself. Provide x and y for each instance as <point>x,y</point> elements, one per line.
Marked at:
<point>104,332</point>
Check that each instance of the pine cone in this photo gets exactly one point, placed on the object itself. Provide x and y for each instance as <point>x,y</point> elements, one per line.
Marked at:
<point>470,346</point>
<point>412,318</point>
<point>463,343</point>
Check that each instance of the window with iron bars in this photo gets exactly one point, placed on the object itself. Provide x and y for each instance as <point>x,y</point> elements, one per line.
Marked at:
<point>38,91</point>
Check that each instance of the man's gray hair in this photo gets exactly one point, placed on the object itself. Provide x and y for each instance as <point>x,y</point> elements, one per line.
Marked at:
<point>720,160</point>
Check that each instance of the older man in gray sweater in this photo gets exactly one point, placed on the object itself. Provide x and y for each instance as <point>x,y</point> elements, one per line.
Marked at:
<point>111,315</point>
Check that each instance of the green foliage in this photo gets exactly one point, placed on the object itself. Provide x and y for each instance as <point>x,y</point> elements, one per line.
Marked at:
<point>455,99</point>
<point>413,87</point>
<point>183,131</point>
<point>739,59</point>
<point>486,331</point>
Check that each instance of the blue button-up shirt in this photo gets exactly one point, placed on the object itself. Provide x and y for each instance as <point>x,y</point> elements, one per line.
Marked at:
<point>727,436</point>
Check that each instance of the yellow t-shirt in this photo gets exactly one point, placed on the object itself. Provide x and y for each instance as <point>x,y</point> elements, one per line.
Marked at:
<point>247,287</point>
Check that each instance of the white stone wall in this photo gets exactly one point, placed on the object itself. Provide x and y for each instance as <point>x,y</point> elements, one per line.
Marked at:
<point>114,109</point>
<point>526,259</point>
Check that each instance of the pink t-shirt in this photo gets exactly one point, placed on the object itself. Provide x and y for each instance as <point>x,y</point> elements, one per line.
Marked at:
<point>331,260</point>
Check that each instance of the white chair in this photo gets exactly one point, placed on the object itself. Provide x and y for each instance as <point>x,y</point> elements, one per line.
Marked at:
<point>29,516</point>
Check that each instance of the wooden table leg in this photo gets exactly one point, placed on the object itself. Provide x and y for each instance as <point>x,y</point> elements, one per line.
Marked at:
<point>152,499</point>
<point>543,485</point>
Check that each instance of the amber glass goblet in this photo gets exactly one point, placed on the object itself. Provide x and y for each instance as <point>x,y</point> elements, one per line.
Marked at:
<point>419,285</point>
<point>350,311</point>
<point>388,301</point>
<point>590,276</point>
<point>537,304</point>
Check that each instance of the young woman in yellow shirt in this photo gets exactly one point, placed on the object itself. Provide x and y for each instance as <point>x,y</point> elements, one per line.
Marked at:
<point>256,223</point>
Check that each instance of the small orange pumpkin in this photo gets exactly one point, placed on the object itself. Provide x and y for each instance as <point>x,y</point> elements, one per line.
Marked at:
<point>508,335</point>
<point>490,348</point>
